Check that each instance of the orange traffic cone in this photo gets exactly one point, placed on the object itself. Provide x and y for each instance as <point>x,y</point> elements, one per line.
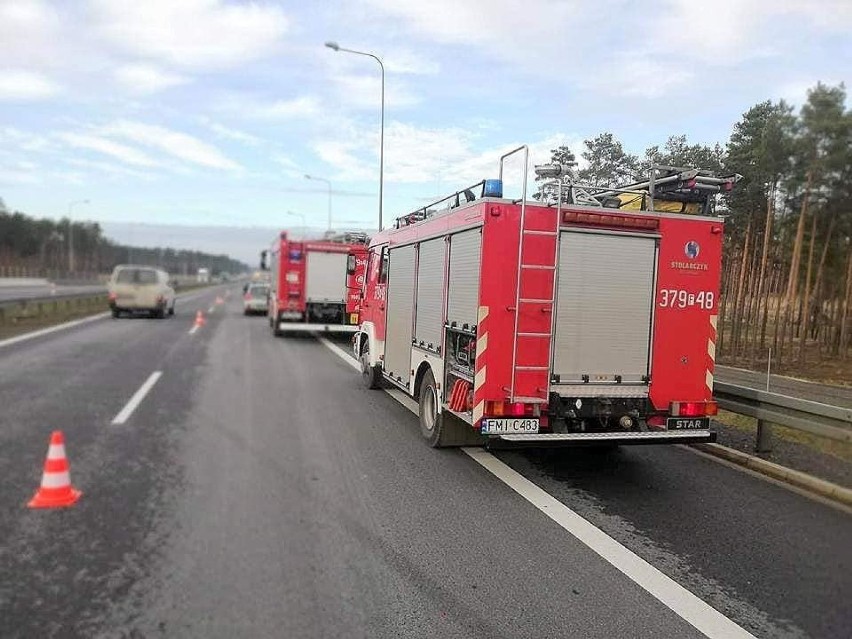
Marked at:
<point>199,319</point>
<point>219,300</point>
<point>55,490</point>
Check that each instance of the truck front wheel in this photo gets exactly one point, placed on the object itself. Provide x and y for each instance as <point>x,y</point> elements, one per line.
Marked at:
<point>372,375</point>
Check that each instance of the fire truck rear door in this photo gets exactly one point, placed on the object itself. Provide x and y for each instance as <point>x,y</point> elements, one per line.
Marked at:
<point>604,312</point>
<point>326,277</point>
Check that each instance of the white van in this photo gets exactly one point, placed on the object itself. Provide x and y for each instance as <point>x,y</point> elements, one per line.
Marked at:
<point>140,289</point>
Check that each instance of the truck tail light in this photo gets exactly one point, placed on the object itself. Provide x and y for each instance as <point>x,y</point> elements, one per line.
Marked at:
<point>494,408</point>
<point>694,409</point>
<point>508,409</point>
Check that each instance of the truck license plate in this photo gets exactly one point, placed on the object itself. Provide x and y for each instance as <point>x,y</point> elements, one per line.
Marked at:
<point>505,426</point>
<point>688,423</point>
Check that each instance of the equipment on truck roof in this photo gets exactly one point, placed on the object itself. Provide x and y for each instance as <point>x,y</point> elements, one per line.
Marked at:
<point>668,189</point>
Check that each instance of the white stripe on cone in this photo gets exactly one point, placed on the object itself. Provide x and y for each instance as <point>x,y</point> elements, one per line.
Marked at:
<point>56,451</point>
<point>56,480</point>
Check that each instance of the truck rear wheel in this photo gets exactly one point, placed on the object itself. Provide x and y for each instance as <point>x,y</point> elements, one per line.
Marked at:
<point>442,429</point>
<point>371,375</point>
<point>275,323</point>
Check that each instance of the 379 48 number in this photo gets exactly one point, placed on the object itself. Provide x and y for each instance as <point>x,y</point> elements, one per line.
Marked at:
<point>679,298</point>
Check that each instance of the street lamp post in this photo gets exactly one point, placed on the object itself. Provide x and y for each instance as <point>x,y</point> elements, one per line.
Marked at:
<point>328,184</point>
<point>336,47</point>
<point>71,206</point>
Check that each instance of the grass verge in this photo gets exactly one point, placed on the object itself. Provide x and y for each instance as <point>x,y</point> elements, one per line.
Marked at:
<point>834,448</point>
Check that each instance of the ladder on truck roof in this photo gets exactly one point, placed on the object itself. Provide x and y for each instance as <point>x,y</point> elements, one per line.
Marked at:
<point>547,233</point>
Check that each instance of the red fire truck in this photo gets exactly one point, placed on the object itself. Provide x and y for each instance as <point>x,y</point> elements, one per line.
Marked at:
<point>315,284</point>
<point>588,316</point>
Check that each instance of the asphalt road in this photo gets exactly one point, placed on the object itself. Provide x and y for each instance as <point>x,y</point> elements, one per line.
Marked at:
<point>258,491</point>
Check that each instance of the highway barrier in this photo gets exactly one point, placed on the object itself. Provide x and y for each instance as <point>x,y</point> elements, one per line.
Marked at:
<point>16,314</point>
<point>823,420</point>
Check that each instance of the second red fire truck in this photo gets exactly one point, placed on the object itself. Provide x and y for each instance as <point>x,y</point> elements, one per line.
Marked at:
<point>314,285</point>
<point>589,316</point>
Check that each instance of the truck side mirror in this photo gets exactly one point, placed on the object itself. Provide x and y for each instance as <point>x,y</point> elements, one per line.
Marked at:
<point>263,265</point>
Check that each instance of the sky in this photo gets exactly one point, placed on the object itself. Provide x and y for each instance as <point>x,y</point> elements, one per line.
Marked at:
<point>209,113</point>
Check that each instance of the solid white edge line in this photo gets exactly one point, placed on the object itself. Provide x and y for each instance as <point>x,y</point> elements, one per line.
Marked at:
<point>671,594</point>
<point>66,325</point>
<point>52,329</point>
<point>667,591</point>
<point>334,348</point>
<point>137,398</point>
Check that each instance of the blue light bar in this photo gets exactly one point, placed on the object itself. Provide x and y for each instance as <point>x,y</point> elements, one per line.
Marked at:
<point>493,188</point>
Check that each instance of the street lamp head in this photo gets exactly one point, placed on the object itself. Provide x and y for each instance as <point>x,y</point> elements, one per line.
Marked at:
<point>333,45</point>
<point>308,177</point>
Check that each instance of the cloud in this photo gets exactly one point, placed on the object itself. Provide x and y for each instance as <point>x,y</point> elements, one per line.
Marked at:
<point>641,76</point>
<point>18,177</point>
<point>179,145</point>
<point>29,31</point>
<point>24,86</point>
<point>121,152</point>
<point>143,79</point>
<point>191,34</point>
<point>505,28</point>
<point>96,166</point>
<point>405,61</point>
<point>365,91</point>
<point>251,106</point>
<point>288,166</point>
<point>650,49</point>
<point>228,133</point>
<point>445,158</point>
<point>12,138</point>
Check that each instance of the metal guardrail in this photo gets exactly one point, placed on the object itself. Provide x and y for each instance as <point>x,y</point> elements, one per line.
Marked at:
<point>50,297</point>
<point>823,420</point>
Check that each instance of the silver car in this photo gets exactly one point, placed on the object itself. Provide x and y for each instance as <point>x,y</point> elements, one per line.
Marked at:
<point>255,299</point>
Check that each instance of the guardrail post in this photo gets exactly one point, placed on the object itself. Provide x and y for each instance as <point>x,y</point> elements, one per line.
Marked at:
<point>764,437</point>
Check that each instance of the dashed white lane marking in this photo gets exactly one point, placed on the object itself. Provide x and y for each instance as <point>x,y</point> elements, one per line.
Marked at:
<point>137,398</point>
<point>671,594</point>
<point>194,329</point>
<point>211,309</point>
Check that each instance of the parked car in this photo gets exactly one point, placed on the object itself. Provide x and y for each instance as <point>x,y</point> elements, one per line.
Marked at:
<point>134,289</point>
<point>255,299</point>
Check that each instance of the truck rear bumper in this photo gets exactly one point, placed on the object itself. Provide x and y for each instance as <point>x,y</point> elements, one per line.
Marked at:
<point>316,328</point>
<point>592,439</point>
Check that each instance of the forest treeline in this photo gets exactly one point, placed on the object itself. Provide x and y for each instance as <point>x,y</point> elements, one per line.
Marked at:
<point>39,247</point>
